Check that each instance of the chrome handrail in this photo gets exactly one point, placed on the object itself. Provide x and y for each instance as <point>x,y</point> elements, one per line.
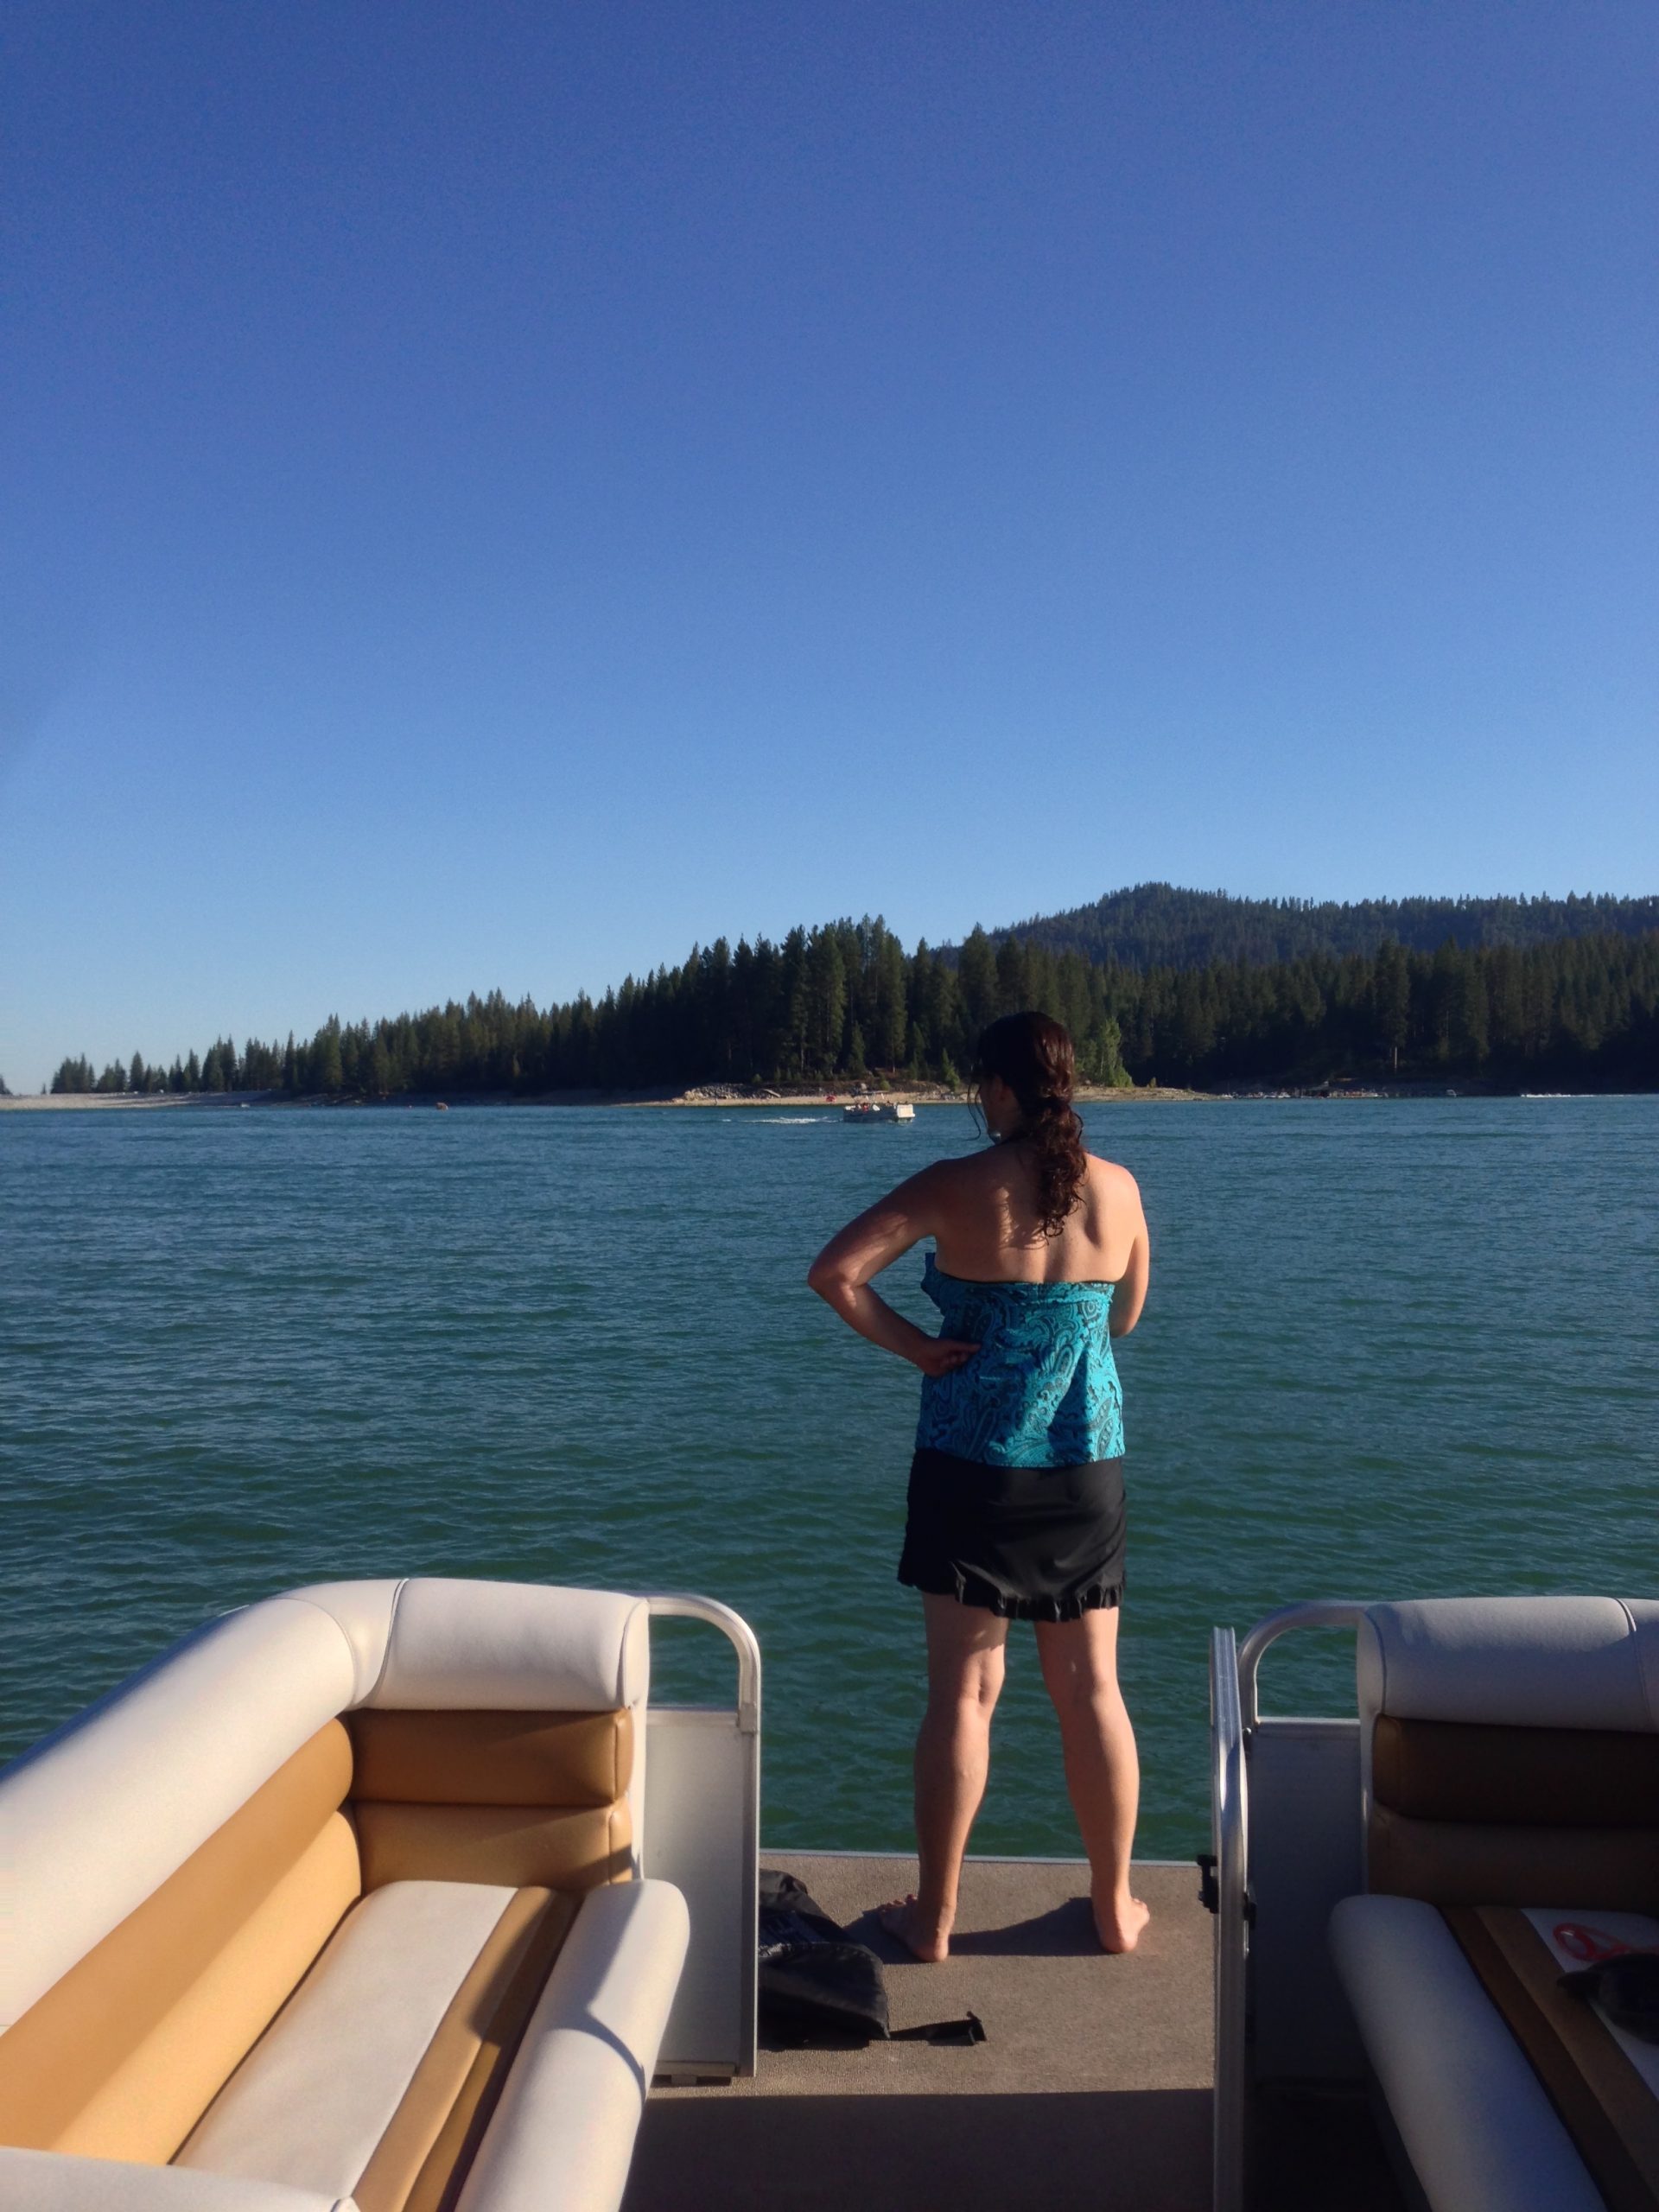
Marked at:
<point>1230,1829</point>
<point>671,1604</point>
<point>1312,1613</point>
<point>683,1606</point>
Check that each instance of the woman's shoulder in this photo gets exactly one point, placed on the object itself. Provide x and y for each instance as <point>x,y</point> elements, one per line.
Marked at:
<point>959,1171</point>
<point>940,1188</point>
<point>1111,1184</point>
<point>1110,1172</point>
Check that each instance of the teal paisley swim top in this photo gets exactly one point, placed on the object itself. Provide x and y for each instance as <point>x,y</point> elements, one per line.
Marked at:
<point>1041,1391</point>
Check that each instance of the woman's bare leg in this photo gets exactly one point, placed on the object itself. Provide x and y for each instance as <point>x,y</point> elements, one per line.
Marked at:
<point>1103,1774</point>
<point>965,1646</point>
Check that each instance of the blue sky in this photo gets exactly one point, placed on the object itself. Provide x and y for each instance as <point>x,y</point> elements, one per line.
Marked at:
<point>493,493</point>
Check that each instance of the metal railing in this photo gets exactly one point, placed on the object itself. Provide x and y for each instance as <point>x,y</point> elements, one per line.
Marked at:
<point>1230,1829</point>
<point>676,1605</point>
<point>712,1968</point>
<point>1234,1704</point>
<point>1312,1613</point>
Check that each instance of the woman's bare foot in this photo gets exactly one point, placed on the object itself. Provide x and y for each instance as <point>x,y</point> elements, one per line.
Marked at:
<point>926,1938</point>
<point>1119,1923</point>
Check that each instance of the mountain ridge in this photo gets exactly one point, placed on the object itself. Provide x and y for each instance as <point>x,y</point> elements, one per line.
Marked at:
<point>1158,925</point>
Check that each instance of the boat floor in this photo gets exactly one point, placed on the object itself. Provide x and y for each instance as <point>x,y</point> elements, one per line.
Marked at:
<point>1091,2088</point>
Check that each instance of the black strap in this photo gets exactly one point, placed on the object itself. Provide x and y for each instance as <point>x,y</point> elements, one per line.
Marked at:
<point>969,2029</point>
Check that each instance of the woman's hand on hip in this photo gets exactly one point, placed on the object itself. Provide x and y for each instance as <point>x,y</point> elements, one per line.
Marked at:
<point>943,1355</point>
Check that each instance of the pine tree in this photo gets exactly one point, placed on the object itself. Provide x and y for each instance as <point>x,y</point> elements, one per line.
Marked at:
<point>977,983</point>
<point>1013,991</point>
<point>1391,999</point>
<point>826,998</point>
<point>326,1071</point>
<point>1470,1020</point>
<point>1100,1058</point>
<point>889,1030</point>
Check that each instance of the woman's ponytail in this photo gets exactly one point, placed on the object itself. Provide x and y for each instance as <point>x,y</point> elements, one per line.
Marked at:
<point>1033,1055</point>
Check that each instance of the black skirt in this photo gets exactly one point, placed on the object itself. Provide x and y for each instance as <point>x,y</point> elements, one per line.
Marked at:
<point>1030,1544</point>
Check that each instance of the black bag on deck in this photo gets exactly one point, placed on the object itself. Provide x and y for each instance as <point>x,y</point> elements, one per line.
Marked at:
<point>815,1985</point>
<point>815,1988</point>
<point>1627,1989</point>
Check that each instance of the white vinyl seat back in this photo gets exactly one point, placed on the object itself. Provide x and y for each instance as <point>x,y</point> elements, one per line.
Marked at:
<point>1507,1749</point>
<point>445,1645</point>
<point>1536,1662</point>
<point>96,1818</point>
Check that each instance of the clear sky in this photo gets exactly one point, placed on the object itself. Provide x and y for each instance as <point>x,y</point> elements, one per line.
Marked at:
<point>492,493</point>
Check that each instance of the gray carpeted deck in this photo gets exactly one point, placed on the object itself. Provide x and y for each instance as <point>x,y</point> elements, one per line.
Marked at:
<point>1092,2088</point>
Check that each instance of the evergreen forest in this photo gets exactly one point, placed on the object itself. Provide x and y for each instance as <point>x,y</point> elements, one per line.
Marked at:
<point>845,1003</point>
<point>1157,925</point>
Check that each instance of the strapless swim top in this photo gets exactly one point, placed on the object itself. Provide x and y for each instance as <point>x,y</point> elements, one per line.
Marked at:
<point>1041,1391</point>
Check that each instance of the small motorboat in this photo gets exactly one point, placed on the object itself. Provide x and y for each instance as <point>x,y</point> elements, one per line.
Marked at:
<point>878,1109</point>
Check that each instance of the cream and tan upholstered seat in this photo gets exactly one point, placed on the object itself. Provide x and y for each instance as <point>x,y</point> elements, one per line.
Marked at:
<point>1510,1750</point>
<point>339,1904</point>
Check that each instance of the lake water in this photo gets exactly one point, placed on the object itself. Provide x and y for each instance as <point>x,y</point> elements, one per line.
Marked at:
<point>1392,1348</point>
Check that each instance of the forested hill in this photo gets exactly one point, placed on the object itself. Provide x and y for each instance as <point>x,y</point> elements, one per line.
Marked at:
<point>845,1000</point>
<point>1156,925</point>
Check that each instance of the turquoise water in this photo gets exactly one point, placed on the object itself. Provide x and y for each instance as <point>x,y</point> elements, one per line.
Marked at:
<point>1391,1348</point>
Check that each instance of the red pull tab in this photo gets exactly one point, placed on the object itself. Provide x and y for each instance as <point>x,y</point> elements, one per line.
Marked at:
<point>1589,1944</point>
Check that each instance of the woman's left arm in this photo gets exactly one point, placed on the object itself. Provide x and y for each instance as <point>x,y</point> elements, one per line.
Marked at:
<point>1131,1292</point>
<point>841,1275</point>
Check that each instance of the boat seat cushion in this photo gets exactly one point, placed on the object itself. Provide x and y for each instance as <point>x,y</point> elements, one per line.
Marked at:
<point>48,2181</point>
<point>181,1749</point>
<point>1510,1750</point>
<point>379,2039</point>
<point>1480,2131</point>
<point>563,2132</point>
<point>121,2056</point>
<point>379,2079</point>
<point>1529,1662</point>
<point>512,1797</point>
<point>431,1641</point>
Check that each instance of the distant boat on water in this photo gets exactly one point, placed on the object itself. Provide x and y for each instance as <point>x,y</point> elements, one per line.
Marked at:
<point>877,1110</point>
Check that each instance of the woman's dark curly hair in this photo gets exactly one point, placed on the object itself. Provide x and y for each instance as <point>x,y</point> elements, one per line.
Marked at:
<point>1035,1056</point>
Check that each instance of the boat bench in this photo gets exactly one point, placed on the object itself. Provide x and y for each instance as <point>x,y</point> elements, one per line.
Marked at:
<point>1509,1757</point>
<point>338,1909</point>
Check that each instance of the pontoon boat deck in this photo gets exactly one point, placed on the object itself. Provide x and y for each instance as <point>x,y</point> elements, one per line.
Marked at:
<point>1092,2088</point>
<point>405,1897</point>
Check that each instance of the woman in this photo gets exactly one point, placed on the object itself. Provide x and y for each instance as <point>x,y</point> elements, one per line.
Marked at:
<point>1016,1492</point>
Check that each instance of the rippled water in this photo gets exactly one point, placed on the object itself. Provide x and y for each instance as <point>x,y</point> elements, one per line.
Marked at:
<point>1391,1348</point>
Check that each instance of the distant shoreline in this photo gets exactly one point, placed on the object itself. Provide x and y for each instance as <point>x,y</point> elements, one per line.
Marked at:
<point>712,1098</point>
<point>222,1102</point>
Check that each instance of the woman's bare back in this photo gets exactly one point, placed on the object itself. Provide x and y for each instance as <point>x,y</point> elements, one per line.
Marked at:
<point>986,1225</point>
<point>982,1214</point>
